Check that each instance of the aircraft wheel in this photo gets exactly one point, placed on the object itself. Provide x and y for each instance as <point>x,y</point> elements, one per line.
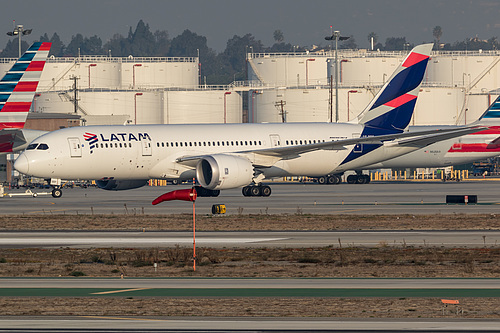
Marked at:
<point>361,179</point>
<point>255,191</point>
<point>246,191</point>
<point>338,179</point>
<point>351,179</point>
<point>331,180</point>
<point>367,179</point>
<point>265,191</point>
<point>322,180</point>
<point>215,193</point>
<point>56,193</point>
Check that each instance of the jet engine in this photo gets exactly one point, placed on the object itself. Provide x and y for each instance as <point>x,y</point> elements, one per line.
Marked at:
<point>118,185</point>
<point>220,171</point>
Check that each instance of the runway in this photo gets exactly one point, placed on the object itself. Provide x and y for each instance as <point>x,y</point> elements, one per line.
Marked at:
<point>222,325</point>
<point>375,198</point>
<point>251,283</point>
<point>251,239</point>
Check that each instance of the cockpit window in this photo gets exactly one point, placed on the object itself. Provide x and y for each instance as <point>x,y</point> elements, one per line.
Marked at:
<point>32,146</point>
<point>43,146</point>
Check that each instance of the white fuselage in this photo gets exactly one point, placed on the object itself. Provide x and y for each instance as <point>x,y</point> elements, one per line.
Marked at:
<point>151,151</point>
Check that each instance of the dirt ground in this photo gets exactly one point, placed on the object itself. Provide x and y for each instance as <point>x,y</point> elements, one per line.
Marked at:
<point>469,308</point>
<point>250,222</point>
<point>381,261</point>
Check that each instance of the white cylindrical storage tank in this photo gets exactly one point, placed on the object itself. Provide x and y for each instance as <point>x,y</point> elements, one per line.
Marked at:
<point>202,106</point>
<point>307,105</point>
<point>119,73</point>
<point>475,71</point>
<point>131,107</point>
<point>438,106</point>
<point>366,70</point>
<point>159,74</point>
<point>99,75</point>
<point>285,70</point>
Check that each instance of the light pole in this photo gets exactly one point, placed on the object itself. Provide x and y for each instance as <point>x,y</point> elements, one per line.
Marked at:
<point>135,107</point>
<point>307,71</point>
<point>133,73</point>
<point>91,65</point>
<point>336,36</point>
<point>225,94</point>
<point>19,31</point>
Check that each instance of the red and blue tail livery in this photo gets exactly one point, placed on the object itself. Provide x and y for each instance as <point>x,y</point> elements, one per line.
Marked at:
<point>18,86</point>
<point>391,110</point>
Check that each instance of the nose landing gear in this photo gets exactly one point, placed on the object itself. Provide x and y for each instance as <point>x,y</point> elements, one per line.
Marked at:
<point>57,192</point>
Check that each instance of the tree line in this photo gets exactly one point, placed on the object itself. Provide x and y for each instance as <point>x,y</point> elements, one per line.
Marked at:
<point>216,68</point>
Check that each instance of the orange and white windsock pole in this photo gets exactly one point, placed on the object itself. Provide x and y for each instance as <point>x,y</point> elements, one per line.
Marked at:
<point>185,195</point>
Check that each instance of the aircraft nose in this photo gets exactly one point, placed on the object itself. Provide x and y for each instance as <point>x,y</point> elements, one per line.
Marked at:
<point>22,164</point>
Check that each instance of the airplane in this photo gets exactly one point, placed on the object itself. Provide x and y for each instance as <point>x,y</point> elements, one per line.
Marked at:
<point>225,156</point>
<point>461,150</point>
<point>17,90</point>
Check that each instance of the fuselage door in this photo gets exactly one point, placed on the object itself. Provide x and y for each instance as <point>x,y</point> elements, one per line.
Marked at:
<point>75,148</point>
<point>146,148</point>
<point>275,140</point>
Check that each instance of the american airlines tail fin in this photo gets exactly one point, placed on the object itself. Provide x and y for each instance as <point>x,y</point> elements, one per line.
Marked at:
<point>392,108</point>
<point>17,90</point>
<point>18,86</point>
<point>492,115</point>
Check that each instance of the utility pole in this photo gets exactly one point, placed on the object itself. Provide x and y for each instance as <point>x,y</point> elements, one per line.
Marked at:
<point>281,108</point>
<point>75,93</point>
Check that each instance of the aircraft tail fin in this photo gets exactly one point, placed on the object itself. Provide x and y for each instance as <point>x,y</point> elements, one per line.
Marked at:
<point>18,86</point>
<point>392,108</point>
<point>492,114</point>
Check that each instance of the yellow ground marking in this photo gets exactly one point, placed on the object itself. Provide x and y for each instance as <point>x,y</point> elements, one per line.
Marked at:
<point>118,291</point>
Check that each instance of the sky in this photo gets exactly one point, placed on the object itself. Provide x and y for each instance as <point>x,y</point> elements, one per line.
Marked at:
<point>303,22</point>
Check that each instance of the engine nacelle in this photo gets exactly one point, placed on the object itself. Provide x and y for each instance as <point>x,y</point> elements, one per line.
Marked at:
<point>119,185</point>
<point>218,172</point>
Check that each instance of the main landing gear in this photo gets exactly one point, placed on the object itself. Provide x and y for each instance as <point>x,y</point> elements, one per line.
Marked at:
<point>329,179</point>
<point>358,179</point>
<point>256,191</point>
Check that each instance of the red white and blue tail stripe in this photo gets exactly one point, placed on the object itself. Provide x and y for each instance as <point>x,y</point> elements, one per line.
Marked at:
<point>18,86</point>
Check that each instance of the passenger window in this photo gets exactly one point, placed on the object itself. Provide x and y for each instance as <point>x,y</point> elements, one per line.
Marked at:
<point>32,146</point>
<point>236,142</point>
<point>190,144</point>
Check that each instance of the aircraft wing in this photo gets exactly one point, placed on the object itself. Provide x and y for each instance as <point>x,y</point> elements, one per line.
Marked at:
<point>416,139</point>
<point>425,140</point>
<point>406,139</point>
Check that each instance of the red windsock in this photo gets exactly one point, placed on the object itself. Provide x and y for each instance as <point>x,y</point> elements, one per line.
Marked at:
<point>186,195</point>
